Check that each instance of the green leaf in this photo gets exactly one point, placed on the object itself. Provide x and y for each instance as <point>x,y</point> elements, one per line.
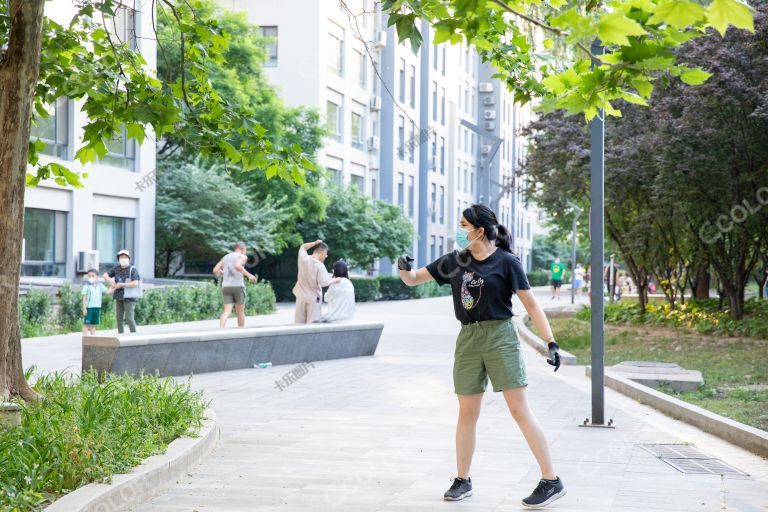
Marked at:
<point>86,155</point>
<point>694,76</point>
<point>614,28</point>
<point>554,84</point>
<point>721,13</point>
<point>633,98</point>
<point>679,14</point>
<point>442,33</point>
<point>136,131</point>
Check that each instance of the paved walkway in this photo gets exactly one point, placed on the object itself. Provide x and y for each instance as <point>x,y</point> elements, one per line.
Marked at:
<point>377,434</point>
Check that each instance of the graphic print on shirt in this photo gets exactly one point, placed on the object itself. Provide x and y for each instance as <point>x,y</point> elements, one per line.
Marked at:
<point>471,290</point>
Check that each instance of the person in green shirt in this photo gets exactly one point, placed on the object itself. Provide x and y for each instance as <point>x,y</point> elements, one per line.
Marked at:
<point>558,274</point>
<point>92,291</point>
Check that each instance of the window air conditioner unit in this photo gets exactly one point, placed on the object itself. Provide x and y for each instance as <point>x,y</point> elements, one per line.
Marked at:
<point>486,87</point>
<point>489,125</point>
<point>488,100</point>
<point>489,114</point>
<point>485,149</point>
<point>87,260</point>
<point>375,102</point>
<point>373,142</point>
<point>381,39</point>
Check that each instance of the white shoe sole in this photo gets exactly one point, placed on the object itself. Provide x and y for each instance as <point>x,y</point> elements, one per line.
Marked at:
<point>465,495</point>
<point>550,500</point>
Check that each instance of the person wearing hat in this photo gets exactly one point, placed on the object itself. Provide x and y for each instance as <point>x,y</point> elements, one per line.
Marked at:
<point>122,276</point>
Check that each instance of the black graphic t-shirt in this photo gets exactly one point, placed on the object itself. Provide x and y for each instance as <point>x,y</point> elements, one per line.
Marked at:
<point>482,290</point>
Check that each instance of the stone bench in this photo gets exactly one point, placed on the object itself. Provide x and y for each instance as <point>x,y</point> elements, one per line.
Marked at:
<point>187,353</point>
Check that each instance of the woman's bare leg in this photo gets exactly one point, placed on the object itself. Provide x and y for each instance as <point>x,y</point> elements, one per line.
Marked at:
<point>532,431</point>
<point>469,411</point>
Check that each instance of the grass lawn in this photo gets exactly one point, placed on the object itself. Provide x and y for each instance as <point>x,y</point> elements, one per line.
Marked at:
<point>735,369</point>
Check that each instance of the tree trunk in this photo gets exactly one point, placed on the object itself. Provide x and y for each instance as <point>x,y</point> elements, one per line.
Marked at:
<point>702,284</point>
<point>19,72</point>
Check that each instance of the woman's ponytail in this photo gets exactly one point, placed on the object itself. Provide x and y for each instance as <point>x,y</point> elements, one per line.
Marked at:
<point>503,238</point>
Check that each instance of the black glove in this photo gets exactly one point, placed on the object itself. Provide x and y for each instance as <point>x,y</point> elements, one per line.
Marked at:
<point>554,355</point>
<point>404,262</point>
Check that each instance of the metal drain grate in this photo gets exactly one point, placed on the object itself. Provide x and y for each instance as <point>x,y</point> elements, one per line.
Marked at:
<point>687,459</point>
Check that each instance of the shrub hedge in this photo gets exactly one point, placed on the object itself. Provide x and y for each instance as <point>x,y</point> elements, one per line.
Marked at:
<point>701,315</point>
<point>38,317</point>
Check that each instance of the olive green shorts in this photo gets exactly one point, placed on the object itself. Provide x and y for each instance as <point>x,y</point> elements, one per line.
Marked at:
<point>489,348</point>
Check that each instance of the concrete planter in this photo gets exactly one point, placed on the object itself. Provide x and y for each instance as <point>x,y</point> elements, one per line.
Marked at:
<point>10,415</point>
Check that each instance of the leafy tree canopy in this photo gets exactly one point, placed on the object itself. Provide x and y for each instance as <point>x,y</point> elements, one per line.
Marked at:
<point>639,38</point>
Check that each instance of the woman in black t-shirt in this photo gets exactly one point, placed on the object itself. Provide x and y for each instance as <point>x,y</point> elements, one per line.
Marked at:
<point>483,277</point>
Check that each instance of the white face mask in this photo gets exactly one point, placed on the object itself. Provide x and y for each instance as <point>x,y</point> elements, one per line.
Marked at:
<point>92,280</point>
<point>124,262</point>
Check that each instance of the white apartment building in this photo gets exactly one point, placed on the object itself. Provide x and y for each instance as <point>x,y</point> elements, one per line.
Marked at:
<point>406,127</point>
<point>114,209</point>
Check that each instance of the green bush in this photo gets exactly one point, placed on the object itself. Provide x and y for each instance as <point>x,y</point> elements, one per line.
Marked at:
<point>433,289</point>
<point>84,431</point>
<point>538,278</point>
<point>70,316</point>
<point>260,298</point>
<point>366,288</point>
<point>701,315</point>
<point>35,312</point>
<point>393,288</point>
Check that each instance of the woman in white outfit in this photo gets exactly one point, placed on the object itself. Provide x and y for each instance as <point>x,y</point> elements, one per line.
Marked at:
<point>340,296</point>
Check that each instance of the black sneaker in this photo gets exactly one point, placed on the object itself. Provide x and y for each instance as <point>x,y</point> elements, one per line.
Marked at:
<point>460,489</point>
<point>545,493</point>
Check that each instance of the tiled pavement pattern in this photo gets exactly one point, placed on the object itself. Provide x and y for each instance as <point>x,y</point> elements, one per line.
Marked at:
<point>377,434</point>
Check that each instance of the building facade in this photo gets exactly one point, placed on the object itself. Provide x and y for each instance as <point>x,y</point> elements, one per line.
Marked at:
<point>416,129</point>
<point>63,226</point>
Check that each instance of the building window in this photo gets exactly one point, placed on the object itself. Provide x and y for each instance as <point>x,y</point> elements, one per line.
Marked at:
<point>270,34</point>
<point>336,49</point>
<point>473,102</point>
<point>123,26</point>
<point>434,101</point>
<point>442,155</point>
<point>401,138</point>
<point>112,234</point>
<point>374,189</point>
<point>333,120</point>
<point>411,200</point>
<point>121,151</point>
<point>433,152</point>
<point>358,182</point>
<point>400,191</point>
<point>45,243</point>
<point>442,204</point>
<point>432,255</point>
<point>442,106</point>
<point>466,177</point>
<point>434,202</point>
<point>434,56</point>
<point>441,246</point>
<point>443,62</point>
<point>54,129</point>
<point>472,180</point>
<point>413,86</point>
<point>356,126</point>
<point>466,140</point>
<point>412,143</point>
<point>402,81</point>
<point>359,68</point>
<point>466,98</point>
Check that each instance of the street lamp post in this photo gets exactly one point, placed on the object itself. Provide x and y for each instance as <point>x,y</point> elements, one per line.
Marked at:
<point>597,234</point>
